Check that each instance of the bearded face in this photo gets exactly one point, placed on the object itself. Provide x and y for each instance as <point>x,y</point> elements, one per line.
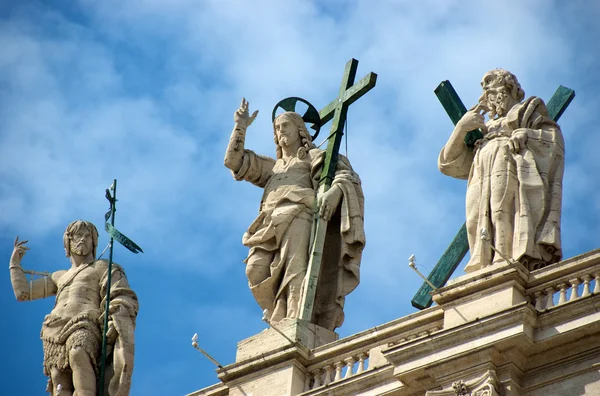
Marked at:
<point>498,101</point>
<point>287,133</point>
<point>501,92</point>
<point>81,243</point>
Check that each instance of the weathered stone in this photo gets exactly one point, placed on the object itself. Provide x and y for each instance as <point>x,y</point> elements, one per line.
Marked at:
<point>279,237</point>
<point>72,332</point>
<point>515,175</point>
<point>504,345</point>
<point>306,334</point>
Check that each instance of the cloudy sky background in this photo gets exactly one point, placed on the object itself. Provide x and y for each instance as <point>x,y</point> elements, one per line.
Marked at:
<point>144,91</point>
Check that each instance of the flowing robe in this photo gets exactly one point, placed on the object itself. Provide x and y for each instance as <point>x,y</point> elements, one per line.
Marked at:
<point>280,236</point>
<point>59,333</point>
<point>515,196</point>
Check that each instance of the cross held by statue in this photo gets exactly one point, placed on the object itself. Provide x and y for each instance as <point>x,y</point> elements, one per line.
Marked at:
<point>455,109</point>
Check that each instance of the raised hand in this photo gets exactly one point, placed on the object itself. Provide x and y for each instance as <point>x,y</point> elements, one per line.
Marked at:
<point>242,115</point>
<point>473,119</point>
<point>19,250</point>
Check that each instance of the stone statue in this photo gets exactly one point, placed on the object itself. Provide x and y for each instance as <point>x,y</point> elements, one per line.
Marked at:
<point>514,175</point>
<point>279,238</point>
<point>72,332</point>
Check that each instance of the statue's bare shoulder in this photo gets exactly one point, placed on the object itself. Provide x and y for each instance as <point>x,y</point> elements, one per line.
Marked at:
<point>102,266</point>
<point>56,276</point>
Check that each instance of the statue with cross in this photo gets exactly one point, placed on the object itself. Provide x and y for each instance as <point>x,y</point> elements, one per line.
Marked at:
<point>514,165</point>
<point>305,246</point>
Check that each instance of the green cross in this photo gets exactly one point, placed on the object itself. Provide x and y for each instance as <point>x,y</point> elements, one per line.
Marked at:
<point>336,110</point>
<point>459,246</point>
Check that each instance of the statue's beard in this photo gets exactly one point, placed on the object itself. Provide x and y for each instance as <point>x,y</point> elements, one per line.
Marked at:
<point>283,140</point>
<point>497,105</point>
<point>79,249</point>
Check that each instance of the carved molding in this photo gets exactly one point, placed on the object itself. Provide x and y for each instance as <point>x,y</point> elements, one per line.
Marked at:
<point>486,385</point>
<point>460,388</point>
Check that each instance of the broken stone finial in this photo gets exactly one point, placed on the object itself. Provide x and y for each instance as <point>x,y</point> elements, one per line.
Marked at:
<point>266,315</point>
<point>412,261</point>
<point>484,235</point>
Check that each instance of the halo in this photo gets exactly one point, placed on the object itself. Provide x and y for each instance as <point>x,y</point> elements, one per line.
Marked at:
<point>311,115</point>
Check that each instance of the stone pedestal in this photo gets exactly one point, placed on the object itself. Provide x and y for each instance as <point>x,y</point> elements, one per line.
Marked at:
<point>482,293</point>
<point>487,324</point>
<point>300,331</point>
<point>268,364</point>
<point>285,379</point>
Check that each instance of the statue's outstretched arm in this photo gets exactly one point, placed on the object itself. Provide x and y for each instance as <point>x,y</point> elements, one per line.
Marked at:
<point>28,290</point>
<point>234,155</point>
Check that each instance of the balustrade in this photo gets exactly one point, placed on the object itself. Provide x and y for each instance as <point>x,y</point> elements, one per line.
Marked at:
<point>337,371</point>
<point>562,291</point>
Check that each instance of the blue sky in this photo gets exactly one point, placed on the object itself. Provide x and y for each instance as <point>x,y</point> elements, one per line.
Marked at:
<point>144,91</point>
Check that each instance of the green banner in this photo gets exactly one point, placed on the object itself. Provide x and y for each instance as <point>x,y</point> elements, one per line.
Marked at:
<point>122,239</point>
